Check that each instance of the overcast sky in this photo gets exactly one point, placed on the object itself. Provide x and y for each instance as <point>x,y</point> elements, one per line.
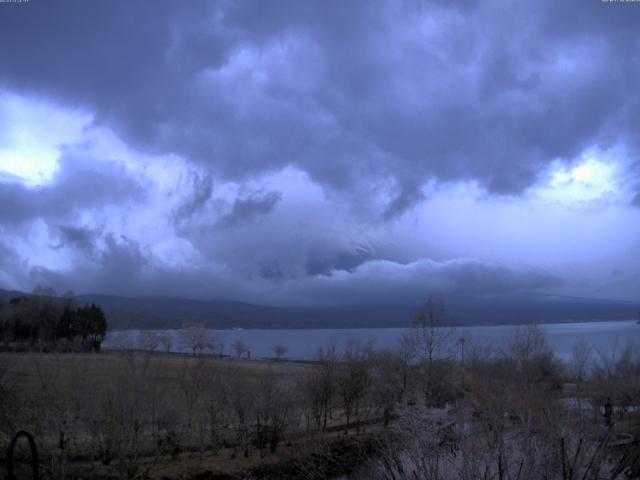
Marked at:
<point>329,152</point>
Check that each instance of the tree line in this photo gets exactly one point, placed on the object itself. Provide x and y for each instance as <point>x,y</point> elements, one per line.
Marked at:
<point>44,321</point>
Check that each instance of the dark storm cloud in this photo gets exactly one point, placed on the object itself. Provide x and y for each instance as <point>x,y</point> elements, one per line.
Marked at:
<point>376,282</point>
<point>247,209</point>
<point>12,266</point>
<point>389,282</point>
<point>196,200</point>
<point>476,278</point>
<point>121,258</point>
<point>348,91</point>
<point>271,271</point>
<point>78,237</point>
<point>367,102</point>
<point>7,255</point>
<point>326,263</point>
<point>116,259</point>
<point>407,197</point>
<point>120,265</point>
<point>79,183</point>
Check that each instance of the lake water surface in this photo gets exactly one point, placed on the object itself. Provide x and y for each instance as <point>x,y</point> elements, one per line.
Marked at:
<point>605,337</point>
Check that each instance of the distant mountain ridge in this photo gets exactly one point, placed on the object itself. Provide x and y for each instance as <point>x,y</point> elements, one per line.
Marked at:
<point>168,312</point>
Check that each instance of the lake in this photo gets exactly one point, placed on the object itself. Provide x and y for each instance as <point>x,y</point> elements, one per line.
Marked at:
<point>605,337</point>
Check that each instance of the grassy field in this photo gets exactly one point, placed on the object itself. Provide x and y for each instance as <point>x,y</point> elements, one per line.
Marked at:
<point>166,394</point>
<point>140,415</point>
<point>27,370</point>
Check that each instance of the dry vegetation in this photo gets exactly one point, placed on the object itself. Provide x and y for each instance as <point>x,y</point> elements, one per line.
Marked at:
<point>134,414</point>
<point>436,407</point>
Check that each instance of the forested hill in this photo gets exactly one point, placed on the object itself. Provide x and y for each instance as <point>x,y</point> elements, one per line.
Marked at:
<point>165,312</point>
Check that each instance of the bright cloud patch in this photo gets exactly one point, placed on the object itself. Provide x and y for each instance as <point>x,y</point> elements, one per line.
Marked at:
<point>593,178</point>
<point>33,134</point>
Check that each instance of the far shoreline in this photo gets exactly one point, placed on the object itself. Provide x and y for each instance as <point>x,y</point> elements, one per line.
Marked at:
<point>377,327</point>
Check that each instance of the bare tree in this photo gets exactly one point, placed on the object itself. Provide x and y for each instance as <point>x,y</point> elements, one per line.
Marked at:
<point>433,336</point>
<point>240,348</point>
<point>406,351</point>
<point>429,446</point>
<point>214,343</point>
<point>121,415</point>
<point>616,375</point>
<point>166,341</point>
<point>508,433</point>
<point>214,405</point>
<point>388,382</point>
<point>529,348</point>
<point>148,341</point>
<point>581,358</point>
<point>192,381</point>
<point>528,342</point>
<point>272,410</point>
<point>354,378</point>
<point>194,337</point>
<point>240,393</point>
<point>318,387</point>
<point>279,351</point>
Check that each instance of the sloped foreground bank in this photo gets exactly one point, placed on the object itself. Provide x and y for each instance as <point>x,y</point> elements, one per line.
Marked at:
<point>331,460</point>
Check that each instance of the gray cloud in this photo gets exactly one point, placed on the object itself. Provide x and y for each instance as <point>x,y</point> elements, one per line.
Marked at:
<point>406,198</point>
<point>383,282</point>
<point>271,271</point>
<point>371,282</point>
<point>247,209</point>
<point>81,238</point>
<point>80,183</point>
<point>8,257</point>
<point>12,267</point>
<point>328,262</point>
<point>344,91</point>
<point>196,200</point>
<point>370,102</point>
<point>119,266</point>
<point>476,278</point>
